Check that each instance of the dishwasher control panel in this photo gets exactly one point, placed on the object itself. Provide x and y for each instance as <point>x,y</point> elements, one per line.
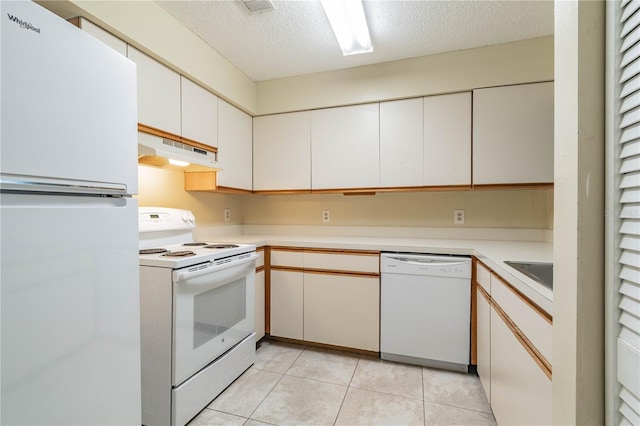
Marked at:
<point>425,264</point>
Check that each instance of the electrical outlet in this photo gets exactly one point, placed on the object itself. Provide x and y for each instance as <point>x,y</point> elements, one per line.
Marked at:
<point>458,217</point>
<point>326,215</point>
<point>227,215</point>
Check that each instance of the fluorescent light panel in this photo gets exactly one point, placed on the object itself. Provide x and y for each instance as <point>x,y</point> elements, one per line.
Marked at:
<point>178,162</point>
<point>349,25</point>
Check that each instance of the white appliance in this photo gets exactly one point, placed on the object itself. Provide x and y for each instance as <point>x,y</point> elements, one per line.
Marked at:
<point>69,276</point>
<point>425,310</point>
<point>197,310</point>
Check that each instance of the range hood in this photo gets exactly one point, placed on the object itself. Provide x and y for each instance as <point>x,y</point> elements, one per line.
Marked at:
<point>156,151</point>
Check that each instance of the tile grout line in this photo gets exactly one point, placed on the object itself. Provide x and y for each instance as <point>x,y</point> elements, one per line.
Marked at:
<point>347,391</point>
<point>273,387</point>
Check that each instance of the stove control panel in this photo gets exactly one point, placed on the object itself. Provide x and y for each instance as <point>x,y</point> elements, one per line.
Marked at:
<point>153,219</point>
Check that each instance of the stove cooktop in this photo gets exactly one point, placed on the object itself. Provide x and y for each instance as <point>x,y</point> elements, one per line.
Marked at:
<point>190,253</point>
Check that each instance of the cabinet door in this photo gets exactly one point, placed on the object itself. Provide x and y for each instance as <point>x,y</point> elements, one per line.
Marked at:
<point>342,310</point>
<point>345,148</point>
<point>259,312</point>
<point>287,304</point>
<point>158,93</point>
<point>483,343</point>
<point>520,390</point>
<point>234,147</point>
<point>401,143</point>
<point>513,134</point>
<point>106,37</point>
<point>282,152</point>
<point>199,113</point>
<point>447,140</point>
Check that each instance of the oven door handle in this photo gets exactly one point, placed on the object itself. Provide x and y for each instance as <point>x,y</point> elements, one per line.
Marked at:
<point>194,273</point>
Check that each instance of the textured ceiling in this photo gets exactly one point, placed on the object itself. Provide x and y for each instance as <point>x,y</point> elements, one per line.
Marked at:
<point>296,38</point>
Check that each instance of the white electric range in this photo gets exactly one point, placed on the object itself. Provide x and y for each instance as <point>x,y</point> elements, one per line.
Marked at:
<point>197,315</point>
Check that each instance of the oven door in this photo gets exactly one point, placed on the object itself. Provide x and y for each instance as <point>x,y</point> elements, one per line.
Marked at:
<point>213,311</point>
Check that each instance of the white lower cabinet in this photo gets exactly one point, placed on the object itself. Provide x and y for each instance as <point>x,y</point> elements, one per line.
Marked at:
<point>325,296</point>
<point>286,304</point>
<point>342,310</point>
<point>512,352</point>
<point>520,390</point>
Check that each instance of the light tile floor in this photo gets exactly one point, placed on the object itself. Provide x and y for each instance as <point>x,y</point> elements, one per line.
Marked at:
<point>298,385</point>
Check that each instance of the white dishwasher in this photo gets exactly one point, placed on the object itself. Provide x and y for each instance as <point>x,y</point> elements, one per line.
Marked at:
<point>425,310</point>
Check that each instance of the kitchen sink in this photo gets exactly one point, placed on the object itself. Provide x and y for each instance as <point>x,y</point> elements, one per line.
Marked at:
<point>541,272</point>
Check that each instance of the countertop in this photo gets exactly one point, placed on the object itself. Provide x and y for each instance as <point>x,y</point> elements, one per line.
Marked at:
<point>493,253</point>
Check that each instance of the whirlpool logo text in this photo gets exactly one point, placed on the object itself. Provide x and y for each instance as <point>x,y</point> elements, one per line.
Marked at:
<point>23,24</point>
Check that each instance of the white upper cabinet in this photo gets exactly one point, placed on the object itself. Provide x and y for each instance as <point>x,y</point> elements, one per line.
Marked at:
<point>158,93</point>
<point>104,36</point>
<point>401,143</point>
<point>345,151</point>
<point>282,152</point>
<point>199,113</point>
<point>447,140</point>
<point>234,147</point>
<point>513,134</point>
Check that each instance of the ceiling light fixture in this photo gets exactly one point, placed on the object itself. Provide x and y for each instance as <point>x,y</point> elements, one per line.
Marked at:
<point>349,25</point>
<point>178,162</point>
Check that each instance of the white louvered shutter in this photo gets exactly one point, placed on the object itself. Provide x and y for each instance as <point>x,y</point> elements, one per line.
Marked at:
<point>627,316</point>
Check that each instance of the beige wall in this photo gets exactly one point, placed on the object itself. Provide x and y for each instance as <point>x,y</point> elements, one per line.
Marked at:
<point>509,63</point>
<point>483,209</point>
<point>578,323</point>
<point>163,188</point>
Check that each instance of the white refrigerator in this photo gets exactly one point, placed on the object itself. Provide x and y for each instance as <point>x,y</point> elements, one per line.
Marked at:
<point>70,325</point>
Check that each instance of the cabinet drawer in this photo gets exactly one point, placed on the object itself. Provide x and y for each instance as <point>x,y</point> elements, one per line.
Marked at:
<point>291,258</point>
<point>534,326</point>
<point>361,262</point>
<point>483,277</point>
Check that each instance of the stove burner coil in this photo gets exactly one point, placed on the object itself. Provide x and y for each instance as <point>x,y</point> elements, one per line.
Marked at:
<point>153,251</point>
<point>194,244</point>
<point>221,246</point>
<point>183,253</point>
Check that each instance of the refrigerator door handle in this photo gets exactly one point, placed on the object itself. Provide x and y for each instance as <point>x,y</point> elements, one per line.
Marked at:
<point>18,183</point>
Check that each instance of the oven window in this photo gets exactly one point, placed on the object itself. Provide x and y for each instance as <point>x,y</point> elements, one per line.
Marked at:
<point>218,310</point>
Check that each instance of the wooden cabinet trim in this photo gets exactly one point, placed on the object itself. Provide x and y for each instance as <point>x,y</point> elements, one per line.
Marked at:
<point>267,289</point>
<point>166,135</point>
<point>230,190</point>
<point>544,314</point>
<point>542,362</point>
<point>282,191</point>
<point>325,346</point>
<point>200,181</point>
<point>474,314</point>
<point>343,273</point>
<point>285,248</point>
<point>327,250</point>
<point>325,271</point>
<point>373,191</point>
<point>501,186</point>
<point>260,269</point>
<point>286,268</point>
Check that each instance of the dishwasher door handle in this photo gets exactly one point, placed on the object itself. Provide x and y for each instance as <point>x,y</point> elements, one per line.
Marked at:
<point>423,261</point>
